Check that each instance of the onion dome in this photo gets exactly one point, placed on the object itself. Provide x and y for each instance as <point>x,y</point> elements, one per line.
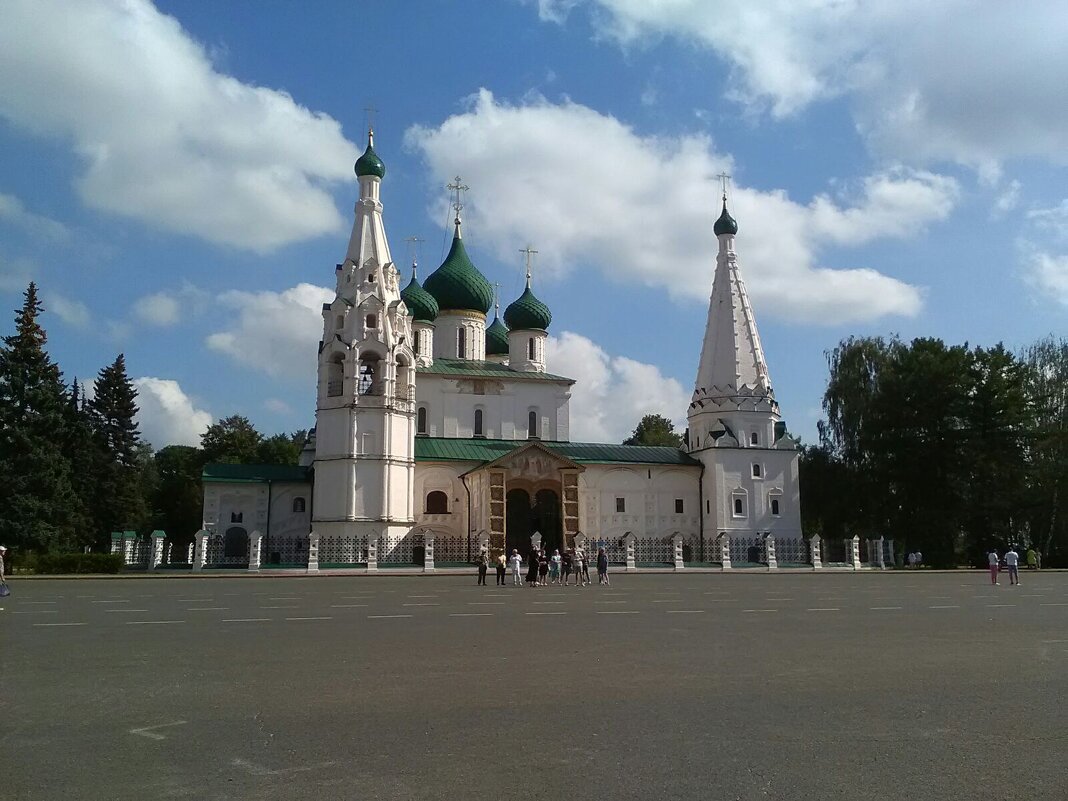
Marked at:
<point>497,338</point>
<point>527,312</point>
<point>420,303</point>
<point>726,224</point>
<point>457,285</point>
<point>369,163</point>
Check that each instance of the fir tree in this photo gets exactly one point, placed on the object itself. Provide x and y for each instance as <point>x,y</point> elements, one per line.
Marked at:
<point>87,459</point>
<point>113,408</point>
<point>37,501</point>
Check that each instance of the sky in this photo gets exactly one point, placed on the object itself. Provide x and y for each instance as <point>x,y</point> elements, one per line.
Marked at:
<point>177,178</point>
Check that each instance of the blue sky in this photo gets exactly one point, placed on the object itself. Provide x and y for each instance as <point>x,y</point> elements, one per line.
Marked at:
<point>178,179</point>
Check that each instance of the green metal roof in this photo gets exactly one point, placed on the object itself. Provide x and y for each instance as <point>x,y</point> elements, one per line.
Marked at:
<point>255,473</point>
<point>475,369</point>
<point>420,303</point>
<point>527,313</point>
<point>497,338</point>
<point>726,224</point>
<point>457,284</point>
<point>441,449</point>
<point>369,163</point>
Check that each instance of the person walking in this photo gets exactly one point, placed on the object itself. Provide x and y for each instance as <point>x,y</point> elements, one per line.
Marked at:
<point>1012,562</point>
<point>567,563</point>
<point>502,568</point>
<point>992,558</point>
<point>1032,558</point>
<point>554,567</point>
<point>543,569</point>
<point>483,566</point>
<point>4,589</point>
<point>602,567</point>
<point>580,558</point>
<point>517,562</point>
<point>532,569</point>
<point>585,570</point>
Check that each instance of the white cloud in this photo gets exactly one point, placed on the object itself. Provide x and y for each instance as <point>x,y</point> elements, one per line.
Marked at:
<point>1047,273</point>
<point>1053,220</point>
<point>167,308</point>
<point>163,136</point>
<point>275,332</point>
<point>277,405</point>
<point>587,190</point>
<point>961,80</point>
<point>613,393</point>
<point>73,312</point>
<point>15,274</point>
<point>13,212</point>
<point>1008,200</point>
<point>167,416</point>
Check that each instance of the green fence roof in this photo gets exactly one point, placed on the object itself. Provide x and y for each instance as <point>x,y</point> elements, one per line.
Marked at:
<point>476,369</point>
<point>254,473</point>
<point>441,449</point>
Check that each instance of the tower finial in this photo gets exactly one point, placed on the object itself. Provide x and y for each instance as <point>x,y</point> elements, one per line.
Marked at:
<point>530,254</point>
<point>457,186</point>
<point>725,180</point>
<point>370,111</point>
<point>413,248</point>
<point>496,298</point>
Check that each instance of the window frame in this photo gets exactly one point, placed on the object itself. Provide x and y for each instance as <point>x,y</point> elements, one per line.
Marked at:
<point>680,506</point>
<point>433,494</point>
<point>621,505</point>
<point>421,424</point>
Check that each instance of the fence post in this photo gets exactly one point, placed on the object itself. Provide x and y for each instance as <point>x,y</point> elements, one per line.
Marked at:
<point>428,552</point>
<point>890,550</point>
<point>155,556</point>
<point>191,551</point>
<point>628,543</point>
<point>676,543</point>
<point>724,541</point>
<point>815,550</point>
<point>200,542</point>
<point>255,540</point>
<point>116,542</point>
<point>881,561</point>
<point>853,551</point>
<point>313,552</point>
<point>769,550</point>
<point>372,552</point>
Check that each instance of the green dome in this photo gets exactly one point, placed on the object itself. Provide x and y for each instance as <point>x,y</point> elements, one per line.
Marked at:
<point>497,338</point>
<point>420,303</point>
<point>527,312</point>
<point>457,285</point>
<point>369,163</point>
<point>726,224</point>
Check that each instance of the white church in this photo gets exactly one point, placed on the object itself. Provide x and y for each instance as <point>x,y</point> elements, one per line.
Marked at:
<point>439,433</point>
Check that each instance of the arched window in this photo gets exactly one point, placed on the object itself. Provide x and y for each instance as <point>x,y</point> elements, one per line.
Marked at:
<point>237,517</point>
<point>437,503</point>
<point>420,420</point>
<point>532,424</point>
<point>530,349</point>
<point>754,439</point>
<point>235,543</point>
<point>478,423</point>
<point>402,387</point>
<point>372,321</point>
<point>370,375</point>
<point>461,343</point>
<point>298,504</point>
<point>775,507</point>
<point>739,504</point>
<point>757,471</point>
<point>340,323</point>
<point>417,337</point>
<point>335,377</point>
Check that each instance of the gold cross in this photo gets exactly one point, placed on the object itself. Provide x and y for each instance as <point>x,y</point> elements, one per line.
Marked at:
<point>457,187</point>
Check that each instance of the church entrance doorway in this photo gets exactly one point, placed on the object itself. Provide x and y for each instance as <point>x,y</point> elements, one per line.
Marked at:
<point>546,515</point>
<point>518,521</point>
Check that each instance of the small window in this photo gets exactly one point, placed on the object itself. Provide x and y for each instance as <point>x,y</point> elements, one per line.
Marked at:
<point>372,321</point>
<point>708,507</point>
<point>532,424</point>
<point>756,471</point>
<point>237,517</point>
<point>420,420</point>
<point>340,322</point>
<point>417,337</point>
<point>461,344</point>
<point>739,503</point>
<point>530,349</point>
<point>754,439</point>
<point>678,506</point>
<point>371,277</point>
<point>478,423</point>
<point>298,504</point>
<point>621,505</point>
<point>437,503</point>
<point>775,507</point>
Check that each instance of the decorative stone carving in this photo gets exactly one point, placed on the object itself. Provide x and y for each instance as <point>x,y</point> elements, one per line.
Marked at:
<point>815,548</point>
<point>201,553</point>
<point>769,551</point>
<point>428,551</point>
<point>372,552</point>
<point>676,542</point>
<point>255,541</point>
<point>313,552</point>
<point>724,541</point>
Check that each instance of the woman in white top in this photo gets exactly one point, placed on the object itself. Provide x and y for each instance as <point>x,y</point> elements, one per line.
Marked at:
<point>993,559</point>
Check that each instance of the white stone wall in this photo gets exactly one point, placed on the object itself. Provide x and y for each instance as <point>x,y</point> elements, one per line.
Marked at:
<point>451,402</point>
<point>446,338</point>
<point>729,474</point>
<point>649,493</point>
<point>519,350</point>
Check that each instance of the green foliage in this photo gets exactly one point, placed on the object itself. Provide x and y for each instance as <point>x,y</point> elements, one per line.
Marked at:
<point>279,449</point>
<point>655,429</point>
<point>177,494</point>
<point>232,440</point>
<point>934,445</point>
<point>58,563</point>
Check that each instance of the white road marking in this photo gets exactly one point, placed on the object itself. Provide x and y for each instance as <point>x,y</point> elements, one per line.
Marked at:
<point>29,603</point>
<point>1052,604</point>
<point>291,606</point>
<point>617,612</point>
<point>348,606</point>
<point>194,600</point>
<point>60,624</point>
<point>545,613</point>
<point>38,612</point>
<point>112,602</point>
<point>422,596</point>
<point>943,607</point>
<point>381,617</point>
<point>549,602</point>
<point>245,619</point>
<point>760,610</point>
<point>471,614</point>
<point>287,598</point>
<point>321,617</point>
<point>1053,642</point>
<point>125,611</point>
<point>665,600</point>
<point>992,606</point>
<point>485,603</point>
<point>149,731</point>
<point>256,770</point>
<point>883,608</point>
<point>684,611</point>
<point>773,600</point>
<point>824,609</point>
<point>609,602</point>
<point>150,622</point>
<point>422,604</point>
<point>206,608</point>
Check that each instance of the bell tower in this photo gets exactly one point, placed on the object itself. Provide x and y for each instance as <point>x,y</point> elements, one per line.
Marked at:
<point>365,423</point>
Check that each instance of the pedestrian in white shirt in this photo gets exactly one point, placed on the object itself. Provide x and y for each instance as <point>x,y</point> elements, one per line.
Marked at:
<point>992,558</point>
<point>517,563</point>
<point>1012,561</point>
